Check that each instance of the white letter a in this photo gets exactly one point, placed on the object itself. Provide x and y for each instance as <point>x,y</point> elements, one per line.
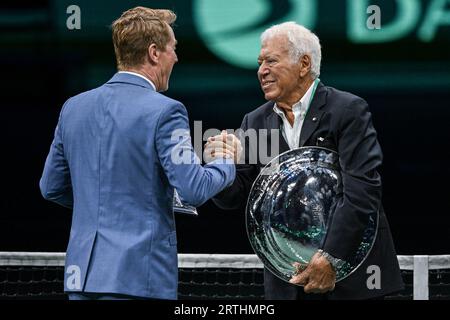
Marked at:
<point>73,281</point>
<point>74,20</point>
<point>374,281</point>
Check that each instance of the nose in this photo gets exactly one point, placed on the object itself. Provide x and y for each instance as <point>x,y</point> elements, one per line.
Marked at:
<point>262,70</point>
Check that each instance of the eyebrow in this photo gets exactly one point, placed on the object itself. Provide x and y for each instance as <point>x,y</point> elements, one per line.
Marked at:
<point>267,56</point>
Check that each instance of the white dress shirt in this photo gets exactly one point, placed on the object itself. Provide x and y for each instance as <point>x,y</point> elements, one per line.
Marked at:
<point>292,133</point>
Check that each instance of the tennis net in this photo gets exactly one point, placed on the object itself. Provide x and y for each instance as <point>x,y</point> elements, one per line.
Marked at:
<point>40,275</point>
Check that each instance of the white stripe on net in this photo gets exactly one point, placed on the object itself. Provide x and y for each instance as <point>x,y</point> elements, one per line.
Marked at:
<point>233,261</point>
<point>32,259</point>
<point>195,260</point>
<point>434,262</point>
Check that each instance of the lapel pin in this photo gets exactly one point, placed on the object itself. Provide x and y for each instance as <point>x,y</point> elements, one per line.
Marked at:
<point>314,119</point>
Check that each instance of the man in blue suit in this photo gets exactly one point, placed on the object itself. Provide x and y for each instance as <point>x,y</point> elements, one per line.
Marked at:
<point>118,153</point>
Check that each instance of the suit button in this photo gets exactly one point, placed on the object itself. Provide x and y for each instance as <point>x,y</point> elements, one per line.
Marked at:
<point>314,119</point>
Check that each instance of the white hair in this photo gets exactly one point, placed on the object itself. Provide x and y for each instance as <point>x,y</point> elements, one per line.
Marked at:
<point>302,41</point>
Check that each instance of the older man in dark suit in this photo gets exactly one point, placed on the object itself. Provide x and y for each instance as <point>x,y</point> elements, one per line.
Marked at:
<point>307,113</point>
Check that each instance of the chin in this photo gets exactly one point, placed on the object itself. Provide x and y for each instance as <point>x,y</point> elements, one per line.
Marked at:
<point>269,96</point>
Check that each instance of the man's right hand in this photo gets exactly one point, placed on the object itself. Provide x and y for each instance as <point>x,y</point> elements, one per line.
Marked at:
<point>224,145</point>
<point>316,277</point>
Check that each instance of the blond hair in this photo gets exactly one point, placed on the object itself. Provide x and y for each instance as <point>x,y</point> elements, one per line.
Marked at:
<point>136,30</point>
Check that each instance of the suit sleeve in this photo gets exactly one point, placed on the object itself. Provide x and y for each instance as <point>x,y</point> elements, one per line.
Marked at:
<point>360,156</point>
<point>195,184</point>
<point>55,183</point>
<point>235,196</point>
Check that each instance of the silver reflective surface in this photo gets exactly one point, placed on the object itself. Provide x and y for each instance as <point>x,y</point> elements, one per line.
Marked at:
<point>180,207</point>
<point>289,207</point>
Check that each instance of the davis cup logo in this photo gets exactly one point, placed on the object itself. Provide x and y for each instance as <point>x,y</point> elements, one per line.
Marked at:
<point>231,29</point>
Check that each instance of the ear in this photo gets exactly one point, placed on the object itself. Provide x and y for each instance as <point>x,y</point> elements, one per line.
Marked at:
<point>305,65</point>
<point>153,54</point>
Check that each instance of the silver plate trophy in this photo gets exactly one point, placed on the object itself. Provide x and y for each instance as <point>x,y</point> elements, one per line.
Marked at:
<point>180,207</point>
<point>289,207</point>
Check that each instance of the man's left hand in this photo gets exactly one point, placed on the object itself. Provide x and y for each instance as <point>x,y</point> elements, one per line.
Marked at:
<point>318,277</point>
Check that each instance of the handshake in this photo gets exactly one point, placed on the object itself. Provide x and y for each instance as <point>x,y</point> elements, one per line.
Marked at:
<point>224,145</point>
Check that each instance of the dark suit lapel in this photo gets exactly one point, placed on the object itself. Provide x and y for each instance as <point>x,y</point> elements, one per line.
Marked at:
<point>273,121</point>
<point>314,114</point>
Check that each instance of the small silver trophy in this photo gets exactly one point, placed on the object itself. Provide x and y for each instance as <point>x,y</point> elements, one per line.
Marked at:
<point>180,207</point>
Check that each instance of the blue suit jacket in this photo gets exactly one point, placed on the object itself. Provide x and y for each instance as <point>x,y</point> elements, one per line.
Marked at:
<point>118,153</point>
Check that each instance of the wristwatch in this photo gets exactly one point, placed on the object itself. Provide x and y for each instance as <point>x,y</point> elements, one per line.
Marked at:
<point>336,263</point>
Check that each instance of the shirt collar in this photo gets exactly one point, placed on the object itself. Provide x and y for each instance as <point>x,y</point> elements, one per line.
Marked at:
<point>140,76</point>
<point>298,105</point>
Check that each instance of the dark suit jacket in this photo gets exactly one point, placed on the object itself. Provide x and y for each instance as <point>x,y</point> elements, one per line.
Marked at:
<point>343,123</point>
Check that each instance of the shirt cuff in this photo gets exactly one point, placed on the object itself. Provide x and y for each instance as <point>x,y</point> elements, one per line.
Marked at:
<point>223,160</point>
